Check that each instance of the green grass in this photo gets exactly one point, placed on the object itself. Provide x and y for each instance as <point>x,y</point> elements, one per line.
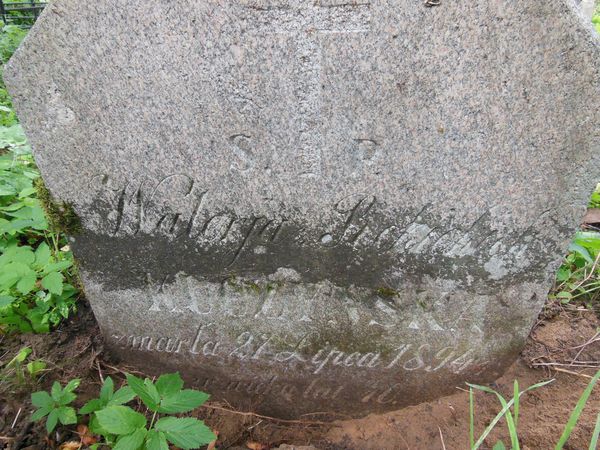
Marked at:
<point>510,414</point>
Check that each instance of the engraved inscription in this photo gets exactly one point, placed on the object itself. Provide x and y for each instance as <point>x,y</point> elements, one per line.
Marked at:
<point>243,159</point>
<point>247,346</point>
<point>177,206</point>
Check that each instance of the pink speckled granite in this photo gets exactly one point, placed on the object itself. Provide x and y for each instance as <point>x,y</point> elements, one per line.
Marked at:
<point>316,205</point>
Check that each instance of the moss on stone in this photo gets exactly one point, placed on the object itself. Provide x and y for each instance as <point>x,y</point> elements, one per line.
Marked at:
<point>387,292</point>
<point>61,216</point>
<point>243,285</point>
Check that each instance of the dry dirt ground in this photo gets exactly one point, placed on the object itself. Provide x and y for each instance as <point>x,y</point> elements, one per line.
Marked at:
<point>563,340</point>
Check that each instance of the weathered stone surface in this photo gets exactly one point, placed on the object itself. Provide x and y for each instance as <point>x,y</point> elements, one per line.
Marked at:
<point>316,205</point>
<point>587,7</point>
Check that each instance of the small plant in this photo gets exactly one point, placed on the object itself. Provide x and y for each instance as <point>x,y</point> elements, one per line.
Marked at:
<point>512,416</point>
<point>33,292</point>
<point>17,372</point>
<point>36,269</point>
<point>167,396</point>
<point>108,397</point>
<point>579,275</point>
<point>124,428</point>
<point>55,406</point>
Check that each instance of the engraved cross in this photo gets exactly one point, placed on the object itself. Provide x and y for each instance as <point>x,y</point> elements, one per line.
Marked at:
<point>306,21</point>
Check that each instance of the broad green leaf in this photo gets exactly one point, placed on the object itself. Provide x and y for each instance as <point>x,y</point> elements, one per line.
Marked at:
<point>42,399</point>
<point>40,413</point>
<point>141,390</point>
<point>585,254</point>
<point>39,326</point>
<point>53,282</point>
<point>169,384</point>
<point>182,401</point>
<point>499,446</point>
<point>92,406</point>
<point>51,421</point>
<point>23,255</point>
<point>72,385</point>
<point>11,252</point>
<point>563,274</point>
<point>11,274</point>
<point>186,433</point>
<point>56,391</point>
<point>564,295</point>
<point>106,392</point>
<point>57,266</point>
<point>27,282</point>
<point>7,190</point>
<point>25,213</point>
<point>6,300</point>
<point>95,427</point>
<point>120,420</point>
<point>122,396</point>
<point>67,415</point>
<point>27,192</point>
<point>12,135</point>
<point>156,440</point>
<point>588,239</point>
<point>66,398</point>
<point>151,389</point>
<point>42,255</point>
<point>132,441</point>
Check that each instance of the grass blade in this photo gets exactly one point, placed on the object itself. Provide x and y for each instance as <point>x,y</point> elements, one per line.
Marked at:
<point>574,418</point>
<point>510,423</point>
<point>594,441</point>
<point>492,425</point>
<point>471,419</point>
<point>517,395</point>
<point>505,408</point>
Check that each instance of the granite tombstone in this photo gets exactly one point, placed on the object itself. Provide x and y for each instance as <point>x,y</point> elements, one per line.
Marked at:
<point>340,206</point>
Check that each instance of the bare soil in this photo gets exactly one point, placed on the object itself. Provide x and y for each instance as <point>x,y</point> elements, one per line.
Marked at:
<point>566,340</point>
